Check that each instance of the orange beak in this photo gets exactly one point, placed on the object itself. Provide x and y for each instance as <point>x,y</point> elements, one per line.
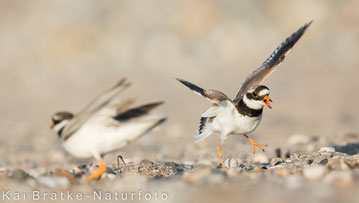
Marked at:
<point>267,101</point>
<point>52,125</point>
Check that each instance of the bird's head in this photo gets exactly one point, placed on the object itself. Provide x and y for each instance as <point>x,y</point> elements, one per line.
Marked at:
<point>59,120</point>
<point>257,97</point>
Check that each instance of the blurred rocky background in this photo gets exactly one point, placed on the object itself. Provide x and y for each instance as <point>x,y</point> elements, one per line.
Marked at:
<point>58,55</point>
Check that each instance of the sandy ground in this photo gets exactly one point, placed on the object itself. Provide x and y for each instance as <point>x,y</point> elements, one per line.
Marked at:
<point>58,55</point>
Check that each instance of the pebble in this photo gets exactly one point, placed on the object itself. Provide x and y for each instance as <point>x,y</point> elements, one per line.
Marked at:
<point>146,163</point>
<point>298,139</point>
<point>327,149</point>
<point>313,172</point>
<point>324,162</point>
<point>260,158</point>
<point>257,169</point>
<point>82,169</point>
<point>19,175</point>
<point>276,161</point>
<point>173,168</point>
<point>66,174</point>
<point>294,156</point>
<point>37,172</point>
<point>231,163</point>
<point>54,182</point>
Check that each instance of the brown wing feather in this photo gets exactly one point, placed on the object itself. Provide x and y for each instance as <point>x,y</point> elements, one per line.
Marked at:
<point>277,57</point>
<point>214,96</point>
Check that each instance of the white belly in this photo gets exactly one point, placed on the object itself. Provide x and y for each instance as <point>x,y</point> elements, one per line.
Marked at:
<point>94,139</point>
<point>234,123</point>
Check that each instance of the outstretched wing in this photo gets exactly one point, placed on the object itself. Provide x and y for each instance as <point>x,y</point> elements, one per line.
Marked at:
<point>212,95</point>
<point>277,57</point>
<point>93,107</point>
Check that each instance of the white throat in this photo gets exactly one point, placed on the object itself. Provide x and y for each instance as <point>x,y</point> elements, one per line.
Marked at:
<point>253,104</point>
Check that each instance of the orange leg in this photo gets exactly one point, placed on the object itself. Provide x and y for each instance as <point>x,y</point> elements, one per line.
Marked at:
<point>256,144</point>
<point>220,155</point>
<point>99,171</point>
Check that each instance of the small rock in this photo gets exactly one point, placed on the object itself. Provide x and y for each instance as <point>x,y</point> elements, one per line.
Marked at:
<point>54,182</point>
<point>313,172</point>
<point>146,163</point>
<point>174,168</point>
<point>276,161</point>
<point>294,156</point>
<point>257,169</point>
<point>83,169</point>
<point>37,172</point>
<point>66,174</point>
<point>327,149</point>
<point>260,158</point>
<point>298,139</point>
<point>231,163</point>
<point>111,176</point>
<point>324,162</point>
<point>19,175</point>
<point>109,170</point>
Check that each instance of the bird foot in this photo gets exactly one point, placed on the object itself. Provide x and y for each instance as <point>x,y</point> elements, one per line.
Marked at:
<point>99,171</point>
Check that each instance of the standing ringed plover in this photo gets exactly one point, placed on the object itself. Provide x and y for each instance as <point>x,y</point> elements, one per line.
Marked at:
<point>243,114</point>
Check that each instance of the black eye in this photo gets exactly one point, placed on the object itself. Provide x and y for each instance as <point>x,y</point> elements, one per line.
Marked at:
<point>55,121</point>
<point>254,94</point>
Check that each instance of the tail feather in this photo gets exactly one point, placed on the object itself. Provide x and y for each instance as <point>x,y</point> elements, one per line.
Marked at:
<point>202,125</point>
<point>203,130</point>
<point>202,136</point>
